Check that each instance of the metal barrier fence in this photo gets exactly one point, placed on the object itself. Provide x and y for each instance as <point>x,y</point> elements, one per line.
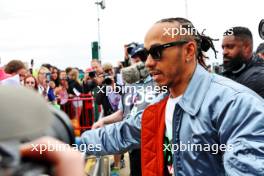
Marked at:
<point>81,112</point>
<point>98,166</point>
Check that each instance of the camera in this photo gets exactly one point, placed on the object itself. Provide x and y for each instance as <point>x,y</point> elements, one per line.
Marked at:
<point>107,79</point>
<point>24,122</point>
<point>137,51</point>
<point>131,46</point>
<point>141,54</point>
<point>123,64</point>
<point>92,74</point>
<point>261,29</point>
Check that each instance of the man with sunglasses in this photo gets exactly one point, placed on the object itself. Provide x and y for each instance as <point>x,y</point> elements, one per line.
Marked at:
<point>202,109</point>
<point>202,112</point>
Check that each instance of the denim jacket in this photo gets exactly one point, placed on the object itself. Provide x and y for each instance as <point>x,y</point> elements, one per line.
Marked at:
<point>215,111</point>
<point>212,110</point>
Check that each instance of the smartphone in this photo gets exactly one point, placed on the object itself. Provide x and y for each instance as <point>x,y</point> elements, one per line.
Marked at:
<point>48,76</point>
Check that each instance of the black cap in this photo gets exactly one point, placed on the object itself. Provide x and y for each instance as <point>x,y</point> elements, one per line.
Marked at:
<point>260,48</point>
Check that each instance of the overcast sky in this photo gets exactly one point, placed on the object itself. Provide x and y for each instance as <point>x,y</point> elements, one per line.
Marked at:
<point>60,32</point>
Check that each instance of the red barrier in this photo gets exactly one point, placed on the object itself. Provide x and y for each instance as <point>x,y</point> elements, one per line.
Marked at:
<point>81,112</point>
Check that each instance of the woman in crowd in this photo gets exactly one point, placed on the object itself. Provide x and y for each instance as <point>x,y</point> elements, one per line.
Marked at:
<point>44,87</point>
<point>61,91</point>
<point>75,90</point>
<point>31,82</point>
<point>55,75</point>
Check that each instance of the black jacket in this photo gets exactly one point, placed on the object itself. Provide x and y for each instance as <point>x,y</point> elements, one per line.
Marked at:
<point>251,76</point>
<point>74,85</point>
<point>102,99</point>
<point>89,86</point>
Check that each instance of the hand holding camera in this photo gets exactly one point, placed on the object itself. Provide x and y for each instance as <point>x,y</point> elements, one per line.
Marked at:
<point>99,79</point>
<point>125,52</point>
<point>59,159</point>
<point>42,120</point>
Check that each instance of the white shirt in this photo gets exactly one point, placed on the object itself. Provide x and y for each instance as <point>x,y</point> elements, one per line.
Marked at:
<point>41,89</point>
<point>170,107</point>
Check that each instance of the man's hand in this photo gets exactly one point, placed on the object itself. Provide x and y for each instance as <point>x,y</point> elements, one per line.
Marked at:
<point>125,51</point>
<point>86,78</point>
<point>66,162</point>
<point>98,124</point>
<point>99,79</point>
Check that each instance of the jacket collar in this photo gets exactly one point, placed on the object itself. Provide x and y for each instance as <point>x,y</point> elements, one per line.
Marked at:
<point>195,93</point>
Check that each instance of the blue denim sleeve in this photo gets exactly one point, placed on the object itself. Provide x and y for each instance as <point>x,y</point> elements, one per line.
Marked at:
<point>114,138</point>
<point>241,127</point>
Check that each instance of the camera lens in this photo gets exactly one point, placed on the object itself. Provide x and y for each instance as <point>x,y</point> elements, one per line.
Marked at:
<point>261,29</point>
<point>92,74</point>
<point>130,47</point>
<point>108,81</point>
<point>61,127</point>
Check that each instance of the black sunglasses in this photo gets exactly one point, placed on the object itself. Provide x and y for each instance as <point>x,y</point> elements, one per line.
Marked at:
<point>156,50</point>
<point>29,82</point>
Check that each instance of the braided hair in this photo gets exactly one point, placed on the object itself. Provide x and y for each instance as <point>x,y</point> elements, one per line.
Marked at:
<point>204,43</point>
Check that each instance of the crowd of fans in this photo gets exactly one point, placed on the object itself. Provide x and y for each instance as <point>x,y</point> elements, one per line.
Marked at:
<point>63,88</point>
<point>58,86</point>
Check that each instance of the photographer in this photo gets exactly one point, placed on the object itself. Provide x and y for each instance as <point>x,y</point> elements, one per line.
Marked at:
<point>91,85</point>
<point>109,101</point>
<point>90,81</point>
<point>23,150</point>
<point>107,98</point>
<point>127,51</point>
<point>59,159</point>
<point>131,76</point>
<point>260,51</point>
